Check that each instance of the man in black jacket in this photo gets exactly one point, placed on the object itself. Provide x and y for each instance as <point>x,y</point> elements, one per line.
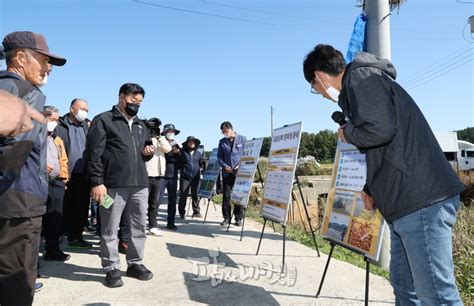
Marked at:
<point>73,129</point>
<point>118,146</point>
<point>408,177</point>
<point>191,164</point>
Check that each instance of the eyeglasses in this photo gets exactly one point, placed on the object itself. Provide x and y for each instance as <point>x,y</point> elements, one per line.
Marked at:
<point>313,91</point>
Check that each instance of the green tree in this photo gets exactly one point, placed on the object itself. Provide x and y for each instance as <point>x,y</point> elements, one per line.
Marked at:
<point>267,141</point>
<point>467,134</point>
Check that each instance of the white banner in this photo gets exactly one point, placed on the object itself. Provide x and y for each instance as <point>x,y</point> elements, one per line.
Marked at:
<point>346,221</point>
<point>245,175</point>
<point>281,172</point>
<point>210,176</point>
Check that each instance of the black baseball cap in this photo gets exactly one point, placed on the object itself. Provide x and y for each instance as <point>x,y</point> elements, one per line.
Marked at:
<point>33,41</point>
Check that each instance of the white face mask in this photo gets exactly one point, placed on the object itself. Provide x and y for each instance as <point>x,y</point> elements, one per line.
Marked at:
<point>44,81</point>
<point>170,136</point>
<point>51,125</point>
<point>81,115</point>
<point>333,93</point>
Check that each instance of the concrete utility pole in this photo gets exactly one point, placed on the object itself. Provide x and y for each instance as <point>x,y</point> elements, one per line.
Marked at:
<point>378,43</point>
<point>271,119</point>
<point>378,28</point>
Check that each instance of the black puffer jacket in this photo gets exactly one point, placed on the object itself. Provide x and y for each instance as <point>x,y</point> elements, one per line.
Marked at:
<point>406,168</point>
<point>114,152</point>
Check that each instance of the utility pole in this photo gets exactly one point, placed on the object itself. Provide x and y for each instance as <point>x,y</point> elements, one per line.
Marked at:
<point>378,28</point>
<point>271,120</point>
<point>378,43</point>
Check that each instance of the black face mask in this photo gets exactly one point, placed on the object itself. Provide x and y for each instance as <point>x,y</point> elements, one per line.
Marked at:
<point>132,109</point>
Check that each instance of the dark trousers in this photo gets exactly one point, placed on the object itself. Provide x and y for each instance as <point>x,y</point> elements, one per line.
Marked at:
<point>184,187</point>
<point>170,184</point>
<point>153,200</point>
<point>76,206</point>
<point>227,185</point>
<point>19,247</point>
<point>53,219</point>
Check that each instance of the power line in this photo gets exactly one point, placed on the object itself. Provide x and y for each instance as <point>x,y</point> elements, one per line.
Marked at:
<point>439,71</point>
<point>438,63</point>
<point>224,16</point>
<point>437,76</point>
<point>311,19</point>
<point>272,13</point>
<point>277,25</point>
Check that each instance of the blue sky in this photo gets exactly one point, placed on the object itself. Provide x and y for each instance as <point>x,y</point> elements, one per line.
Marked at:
<point>205,61</point>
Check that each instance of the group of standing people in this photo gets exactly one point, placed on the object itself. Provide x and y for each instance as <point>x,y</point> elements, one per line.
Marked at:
<point>60,167</point>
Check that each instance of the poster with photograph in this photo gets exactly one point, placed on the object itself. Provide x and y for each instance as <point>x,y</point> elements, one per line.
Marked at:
<point>281,172</point>
<point>210,176</point>
<point>245,175</point>
<point>346,221</point>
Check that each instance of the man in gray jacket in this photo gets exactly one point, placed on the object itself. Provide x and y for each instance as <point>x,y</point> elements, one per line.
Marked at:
<point>408,178</point>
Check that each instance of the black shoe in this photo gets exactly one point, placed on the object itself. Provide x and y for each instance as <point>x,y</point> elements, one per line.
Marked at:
<point>225,222</point>
<point>182,216</point>
<point>238,223</point>
<point>172,227</point>
<point>197,215</point>
<point>56,256</point>
<point>139,272</point>
<point>114,279</point>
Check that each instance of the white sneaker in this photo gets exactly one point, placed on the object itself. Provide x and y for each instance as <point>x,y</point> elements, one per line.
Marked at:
<point>155,231</point>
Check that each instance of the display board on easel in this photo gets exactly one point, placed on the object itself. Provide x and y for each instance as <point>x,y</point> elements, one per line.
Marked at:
<point>245,175</point>
<point>281,172</point>
<point>345,220</point>
<point>210,176</point>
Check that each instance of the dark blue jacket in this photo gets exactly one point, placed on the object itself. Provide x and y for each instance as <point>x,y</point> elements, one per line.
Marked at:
<point>23,170</point>
<point>406,168</point>
<point>229,153</point>
<point>191,164</point>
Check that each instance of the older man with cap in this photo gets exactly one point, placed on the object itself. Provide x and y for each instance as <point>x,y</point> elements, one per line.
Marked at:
<point>23,202</point>
<point>191,164</point>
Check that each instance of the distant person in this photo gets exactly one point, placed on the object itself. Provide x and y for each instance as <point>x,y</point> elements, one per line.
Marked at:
<point>117,152</point>
<point>24,180</point>
<point>408,177</point>
<point>191,165</point>
<point>156,169</point>
<point>229,152</point>
<point>58,174</point>
<point>169,181</point>
<point>73,130</point>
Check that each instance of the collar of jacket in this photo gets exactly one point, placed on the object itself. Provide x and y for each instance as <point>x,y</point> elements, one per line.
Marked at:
<point>12,75</point>
<point>117,114</point>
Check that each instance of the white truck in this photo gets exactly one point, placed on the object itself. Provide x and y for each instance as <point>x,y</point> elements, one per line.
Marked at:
<point>459,153</point>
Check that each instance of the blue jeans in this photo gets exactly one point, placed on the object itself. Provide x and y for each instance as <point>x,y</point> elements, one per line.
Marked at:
<point>421,266</point>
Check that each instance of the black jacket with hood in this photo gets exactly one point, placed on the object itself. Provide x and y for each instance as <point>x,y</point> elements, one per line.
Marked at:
<point>114,151</point>
<point>406,168</point>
